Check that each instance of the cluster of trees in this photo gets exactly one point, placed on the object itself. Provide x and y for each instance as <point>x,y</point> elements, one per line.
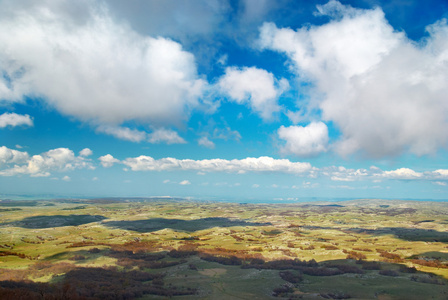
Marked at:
<point>354,255</point>
<point>329,247</point>
<point>28,241</point>
<point>85,244</point>
<point>182,253</point>
<point>369,265</point>
<point>20,255</point>
<point>223,260</point>
<point>282,291</point>
<point>390,256</point>
<point>427,279</point>
<point>281,264</point>
<point>344,268</point>
<point>363,249</point>
<point>433,263</point>
<point>293,277</point>
<point>388,272</point>
<point>335,295</point>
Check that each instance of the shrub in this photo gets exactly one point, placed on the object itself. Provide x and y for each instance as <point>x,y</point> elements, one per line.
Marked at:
<point>282,291</point>
<point>388,273</point>
<point>293,277</point>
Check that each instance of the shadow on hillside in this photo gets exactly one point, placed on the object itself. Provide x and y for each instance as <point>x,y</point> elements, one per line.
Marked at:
<point>39,222</point>
<point>156,224</point>
<point>22,203</point>
<point>407,234</point>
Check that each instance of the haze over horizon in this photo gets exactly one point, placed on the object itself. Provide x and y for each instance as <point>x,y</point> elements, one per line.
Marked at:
<point>244,99</point>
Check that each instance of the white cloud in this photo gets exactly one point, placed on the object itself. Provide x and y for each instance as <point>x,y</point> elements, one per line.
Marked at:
<point>60,160</point>
<point>304,141</point>
<point>385,93</point>
<point>402,173</point>
<point>85,152</point>
<point>343,174</point>
<point>223,60</point>
<point>440,183</point>
<point>167,136</point>
<point>123,133</point>
<point>204,141</point>
<point>185,182</point>
<point>95,69</point>
<point>441,173</point>
<point>250,164</point>
<point>11,156</point>
<point>13,119</point>
<point>336,178</point>
<point>108,160</point>
<point>255,185</point>
<point>66,178</point>
<point>254,87</point>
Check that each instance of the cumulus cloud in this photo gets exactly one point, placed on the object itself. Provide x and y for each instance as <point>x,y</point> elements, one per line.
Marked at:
<point>13,119</point>
<point>108,160</point>
<point>386,93</point>
<point>11,156</point>
<point>402,173</point>
<point>66,178</point>
<point>185,182</point>
<point>254,87</point>
<point>61,159</point>
<point>167,136</point>
<point>115,74</point>
<point>304,141</point>
<point>205,142</point>
<point>375,174</point>
<point>85,152</point>
<point>441,173</point>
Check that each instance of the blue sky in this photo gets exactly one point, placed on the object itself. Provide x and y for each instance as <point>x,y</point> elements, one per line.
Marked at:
<point>246,100</point>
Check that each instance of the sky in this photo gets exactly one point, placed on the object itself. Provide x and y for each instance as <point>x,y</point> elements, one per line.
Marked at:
<point>246,100</point>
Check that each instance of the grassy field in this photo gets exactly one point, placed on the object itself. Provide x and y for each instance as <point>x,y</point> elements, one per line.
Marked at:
<point>364,249</point>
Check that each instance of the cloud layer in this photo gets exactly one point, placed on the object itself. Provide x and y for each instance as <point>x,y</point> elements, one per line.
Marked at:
<point>386,93</point>
<point>266,164</point>
<point>250,164</point>
<point>17,163</point>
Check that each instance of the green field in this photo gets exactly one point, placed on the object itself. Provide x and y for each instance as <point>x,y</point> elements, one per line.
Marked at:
<point>158,248</point>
